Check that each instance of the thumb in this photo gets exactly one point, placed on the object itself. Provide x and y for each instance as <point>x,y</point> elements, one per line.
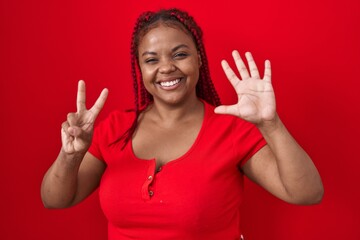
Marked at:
<point>223,109</point>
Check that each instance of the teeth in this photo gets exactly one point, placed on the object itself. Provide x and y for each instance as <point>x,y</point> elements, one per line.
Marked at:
<point>170,83</point>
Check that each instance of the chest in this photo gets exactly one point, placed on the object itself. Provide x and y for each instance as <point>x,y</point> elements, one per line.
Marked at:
<point>164,144</point>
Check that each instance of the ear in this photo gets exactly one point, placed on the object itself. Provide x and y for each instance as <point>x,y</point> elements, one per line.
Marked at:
<point>199,59</point>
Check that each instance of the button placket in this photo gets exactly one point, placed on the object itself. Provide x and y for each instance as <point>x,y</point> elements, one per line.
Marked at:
<point>151,193</point>
<point>147,190</point>
<point>151,190</point>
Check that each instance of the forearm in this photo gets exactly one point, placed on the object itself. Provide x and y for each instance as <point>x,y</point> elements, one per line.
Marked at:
<point>59,186</point>
<point>297,172</point>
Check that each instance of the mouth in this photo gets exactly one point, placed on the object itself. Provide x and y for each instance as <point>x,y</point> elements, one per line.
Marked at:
<point>170,84</point>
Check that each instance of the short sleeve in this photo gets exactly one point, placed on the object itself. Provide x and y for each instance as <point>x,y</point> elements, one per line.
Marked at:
<point>95,148</point>
<point>109,131</point>
<point>247,140</point>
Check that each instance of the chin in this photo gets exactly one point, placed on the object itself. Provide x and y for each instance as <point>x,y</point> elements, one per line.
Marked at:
<point>172,100</point>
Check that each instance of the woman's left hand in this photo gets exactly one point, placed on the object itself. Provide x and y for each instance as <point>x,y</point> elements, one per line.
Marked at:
<point>256,98</point>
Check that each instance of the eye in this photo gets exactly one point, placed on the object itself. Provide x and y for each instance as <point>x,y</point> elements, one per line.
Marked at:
<point>150,60</point>
<point>181,55</point>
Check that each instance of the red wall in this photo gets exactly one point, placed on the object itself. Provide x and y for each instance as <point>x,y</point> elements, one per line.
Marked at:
<point>46,46</point>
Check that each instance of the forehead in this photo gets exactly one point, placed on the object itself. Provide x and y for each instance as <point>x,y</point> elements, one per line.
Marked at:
<point>165,35</point>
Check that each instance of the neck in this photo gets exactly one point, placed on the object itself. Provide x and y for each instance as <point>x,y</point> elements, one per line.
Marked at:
<point>169,114</point>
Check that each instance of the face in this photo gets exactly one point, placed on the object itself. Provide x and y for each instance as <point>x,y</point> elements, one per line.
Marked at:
<point>169,63</point>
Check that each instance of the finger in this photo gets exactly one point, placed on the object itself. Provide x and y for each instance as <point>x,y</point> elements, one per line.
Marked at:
<point>254,72</point>
<point>223,109</point>
<point>81,97</point>
<point>72,119</point>
<point>75,131</point>
<point>71,131</point>
<point>99,104</point>
<point>234,80</point>
<point>244,73</point>
<point>267,72</point>
<point>64,128</point>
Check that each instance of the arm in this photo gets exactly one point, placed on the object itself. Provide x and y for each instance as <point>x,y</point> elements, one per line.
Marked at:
<point>282,167</point>
<point>75,173</point>
<point>70,180</point>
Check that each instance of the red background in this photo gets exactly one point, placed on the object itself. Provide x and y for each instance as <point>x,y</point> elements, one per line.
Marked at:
<point>47,46</point>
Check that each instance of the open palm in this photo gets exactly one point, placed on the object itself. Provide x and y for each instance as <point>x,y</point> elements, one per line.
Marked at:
<point>77,131</point>
<point>256,99</point>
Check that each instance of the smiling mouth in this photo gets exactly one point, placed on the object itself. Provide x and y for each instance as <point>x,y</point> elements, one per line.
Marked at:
<point>170,83</point>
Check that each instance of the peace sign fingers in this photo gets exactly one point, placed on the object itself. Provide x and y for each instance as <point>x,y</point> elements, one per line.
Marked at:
<point>99,104</point>
<point>81,100</point>
<point>81,97</point>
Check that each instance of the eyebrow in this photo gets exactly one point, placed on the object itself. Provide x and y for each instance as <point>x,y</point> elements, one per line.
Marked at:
<point>172,50</point>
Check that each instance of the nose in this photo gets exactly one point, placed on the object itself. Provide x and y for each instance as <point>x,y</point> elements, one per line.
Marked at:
<point>167,66</point>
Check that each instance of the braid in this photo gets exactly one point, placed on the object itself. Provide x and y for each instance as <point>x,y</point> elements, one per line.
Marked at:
<point>205,88</point>
<point>142,97</point>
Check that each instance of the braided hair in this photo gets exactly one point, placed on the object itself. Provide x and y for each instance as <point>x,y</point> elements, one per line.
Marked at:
<point>148,20</point>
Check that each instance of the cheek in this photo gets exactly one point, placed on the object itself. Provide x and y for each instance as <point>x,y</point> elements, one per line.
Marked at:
<point>147,74</point>
<point>193,70</point>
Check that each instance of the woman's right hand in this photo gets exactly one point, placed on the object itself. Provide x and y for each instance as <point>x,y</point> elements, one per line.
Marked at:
<point>77,131</point>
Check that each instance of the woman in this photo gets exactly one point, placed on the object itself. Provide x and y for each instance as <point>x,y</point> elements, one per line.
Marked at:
<point>173,168</point>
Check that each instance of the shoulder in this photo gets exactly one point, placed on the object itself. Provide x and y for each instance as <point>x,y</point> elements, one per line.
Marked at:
<point>115,124</point>
<point>121,117</point>
<point>226,120</point>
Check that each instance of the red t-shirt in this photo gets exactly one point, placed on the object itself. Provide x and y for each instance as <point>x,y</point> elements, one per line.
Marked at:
<point>196,196</point>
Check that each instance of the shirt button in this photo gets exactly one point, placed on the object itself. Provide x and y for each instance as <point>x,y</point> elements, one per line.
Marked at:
<point>151,193</point>
<point>159,169</point>
<point>150,177</point>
